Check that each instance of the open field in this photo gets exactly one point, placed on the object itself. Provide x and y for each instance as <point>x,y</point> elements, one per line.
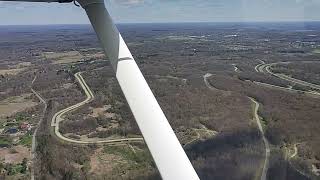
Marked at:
<point>316,51</point>
<point>15,155</point>
<point>11,71</point>
<point>63,57</point>
<point>12,105</point>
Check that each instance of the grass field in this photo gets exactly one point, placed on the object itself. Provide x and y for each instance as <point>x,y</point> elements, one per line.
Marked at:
<point>26,140</point>
<point>14,104</point>
<point>316,51</point>
<point>5,141</point>
<point>138,157</point>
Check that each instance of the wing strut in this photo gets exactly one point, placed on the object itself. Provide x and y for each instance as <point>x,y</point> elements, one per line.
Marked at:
<point>170,158</point>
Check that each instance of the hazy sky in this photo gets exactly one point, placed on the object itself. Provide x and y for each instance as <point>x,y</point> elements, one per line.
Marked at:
<point>132,11</point>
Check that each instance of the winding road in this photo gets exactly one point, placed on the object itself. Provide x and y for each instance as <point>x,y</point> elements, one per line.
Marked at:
<point>265,140</point>
<point>257,118</point>
<point>266,68</point>
<point>205,79</point>
<point>295,148</point>
<point>58,117</point>
<point>314,94</point>
<point>236,69</point>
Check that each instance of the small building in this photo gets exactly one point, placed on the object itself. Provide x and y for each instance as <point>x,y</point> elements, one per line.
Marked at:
<point>12,131</point>
<point>25,126</point>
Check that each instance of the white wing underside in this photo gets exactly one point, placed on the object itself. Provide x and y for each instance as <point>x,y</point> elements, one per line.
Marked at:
<point>169,156</point>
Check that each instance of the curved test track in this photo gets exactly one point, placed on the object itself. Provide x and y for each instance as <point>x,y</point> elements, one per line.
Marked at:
<point>266,68</point>
<point>58,117</point>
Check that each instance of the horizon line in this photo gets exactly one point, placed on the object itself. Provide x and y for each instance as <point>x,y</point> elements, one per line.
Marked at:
<point>177,22</point>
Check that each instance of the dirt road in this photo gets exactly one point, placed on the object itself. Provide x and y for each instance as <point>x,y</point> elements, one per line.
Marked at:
<point>257,118</point>
<point>34,140</point>
<point>265,140</point>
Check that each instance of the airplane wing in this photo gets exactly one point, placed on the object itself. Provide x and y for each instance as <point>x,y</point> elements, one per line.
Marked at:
<point>59,1</point>
<point>169,156</point>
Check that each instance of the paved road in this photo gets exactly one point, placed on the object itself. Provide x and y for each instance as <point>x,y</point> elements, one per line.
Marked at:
<point>267,68</point>
<point>236,69</point>
<point>311,93</point>
<point>295,150</point>
<point>265,140</point>
<point>58,117</point>
<point>260,83</point>
<point>34,140</point>
<point>205,79</point>
<point>257,68</point>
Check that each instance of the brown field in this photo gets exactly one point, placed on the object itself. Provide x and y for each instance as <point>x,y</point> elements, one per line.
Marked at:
<point>102,163</point>
<point>98,55</point>
<point>102,111</point>
<point>14,155</point>
<point>15,104</point>
<point>63,57</point>
<point>67,85</point>
<point>21,65</point>
<point>11,71</point>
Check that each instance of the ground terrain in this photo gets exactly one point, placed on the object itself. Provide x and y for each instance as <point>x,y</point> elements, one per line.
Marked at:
<point>201,75</point>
